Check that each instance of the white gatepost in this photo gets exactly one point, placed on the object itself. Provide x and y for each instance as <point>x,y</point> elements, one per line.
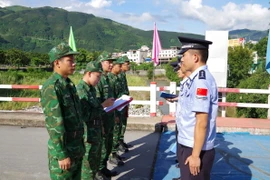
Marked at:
<point>223,108</point>
<point>172,106</point>
<point>268,112</point>
<point>153,99</point>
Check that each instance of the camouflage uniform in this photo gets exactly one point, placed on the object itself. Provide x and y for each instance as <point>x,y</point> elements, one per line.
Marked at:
<point>92,110</point>
<point>125,90</point>
<point>117,86</point>
<point>103,92</point>
<point>62,110</point>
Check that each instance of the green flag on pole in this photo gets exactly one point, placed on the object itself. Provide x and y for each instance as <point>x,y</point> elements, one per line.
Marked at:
<point>71,40</point>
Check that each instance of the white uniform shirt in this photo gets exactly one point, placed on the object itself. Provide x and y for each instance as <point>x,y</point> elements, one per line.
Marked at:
<point>199,94</point>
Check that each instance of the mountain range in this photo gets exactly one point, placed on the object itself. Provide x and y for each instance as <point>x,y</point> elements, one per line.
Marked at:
<point>39,29</point>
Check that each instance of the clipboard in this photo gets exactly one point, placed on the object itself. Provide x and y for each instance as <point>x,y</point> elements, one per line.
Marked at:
<point>119,103</point>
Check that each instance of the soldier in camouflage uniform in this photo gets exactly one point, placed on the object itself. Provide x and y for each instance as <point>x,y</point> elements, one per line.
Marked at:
<point>122,76</point>
<point>116,85</point>
<point>103,92</point>
<point>92,110</point>
<point>63,120</point>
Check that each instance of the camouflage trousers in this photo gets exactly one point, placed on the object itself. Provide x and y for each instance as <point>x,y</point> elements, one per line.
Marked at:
<point>74,173</point>
<point>123,123</point>
<point>123,128</point>
<point>92,155</point>
<point>116,136</point>
<point>107,141</point>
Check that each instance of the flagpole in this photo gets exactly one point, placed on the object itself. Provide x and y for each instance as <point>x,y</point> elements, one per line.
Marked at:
<point>153,72</point>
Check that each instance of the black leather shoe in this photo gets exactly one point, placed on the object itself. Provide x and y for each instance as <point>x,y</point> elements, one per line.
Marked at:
<point>179,178</point>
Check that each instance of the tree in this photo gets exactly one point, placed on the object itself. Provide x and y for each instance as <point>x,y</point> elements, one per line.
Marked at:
<point>257,80</point>
<point>240,63</point>
<point>261,47</point>
<point>15,57</point>
<point>170,74</point>
<point>2,57</point>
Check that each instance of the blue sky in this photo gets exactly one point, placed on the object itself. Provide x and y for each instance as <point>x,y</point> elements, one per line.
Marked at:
<point>189,16</point>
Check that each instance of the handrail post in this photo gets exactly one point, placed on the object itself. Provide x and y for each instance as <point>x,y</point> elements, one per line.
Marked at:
<point>153,99</point>
<point>223,108</point>
<point>172,106</point>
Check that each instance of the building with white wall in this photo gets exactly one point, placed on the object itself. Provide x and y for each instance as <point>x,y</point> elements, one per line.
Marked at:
<point>144,53</point>
<point>137,56</point>
<point>166,55</point>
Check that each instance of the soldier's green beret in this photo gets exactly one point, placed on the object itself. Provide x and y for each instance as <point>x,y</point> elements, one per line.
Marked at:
<point>119,60</point>
<point>105,56</point>
<point>125,59</point>
<point>93,66</point>
<point>61,50</point>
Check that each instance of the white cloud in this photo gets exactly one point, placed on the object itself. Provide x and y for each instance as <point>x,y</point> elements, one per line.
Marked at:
<point>195,3</point>
<point>4,3</point>
<point>99,3</point>
<point>168,14</point>
<point>230,16</point>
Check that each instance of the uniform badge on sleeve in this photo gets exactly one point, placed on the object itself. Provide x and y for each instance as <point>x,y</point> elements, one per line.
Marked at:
<point>201,93</point>
<point>202,74</point>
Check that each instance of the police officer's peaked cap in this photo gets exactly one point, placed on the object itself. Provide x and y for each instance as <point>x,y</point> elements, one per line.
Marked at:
<point>105,56</point>
<point>93,66</point>
<point>119,60</point>
<point>191,43</point>
<point>61,50</point>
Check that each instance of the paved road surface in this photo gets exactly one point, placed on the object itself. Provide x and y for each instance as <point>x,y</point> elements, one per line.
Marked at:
<point>23,154</point>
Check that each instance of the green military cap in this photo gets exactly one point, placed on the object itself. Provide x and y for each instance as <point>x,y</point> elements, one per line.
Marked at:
<point>61,50</point>
<point>93,66</point>
<point>119,60</point>
<point>125,59</point>
<point>104,56</point>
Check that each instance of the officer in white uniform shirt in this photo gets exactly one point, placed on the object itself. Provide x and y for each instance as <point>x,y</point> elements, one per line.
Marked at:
<point>197,112</point>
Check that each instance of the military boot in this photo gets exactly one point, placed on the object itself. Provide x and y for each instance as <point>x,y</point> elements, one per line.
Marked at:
<point>121,148</point>
<point>114,159</point>
<point>125,144</point>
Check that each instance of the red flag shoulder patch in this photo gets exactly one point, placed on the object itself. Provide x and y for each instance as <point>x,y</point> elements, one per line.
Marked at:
<point>201,92</point>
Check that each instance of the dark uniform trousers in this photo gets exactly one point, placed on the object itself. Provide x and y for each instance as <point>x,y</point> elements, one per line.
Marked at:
<point>207,160</point>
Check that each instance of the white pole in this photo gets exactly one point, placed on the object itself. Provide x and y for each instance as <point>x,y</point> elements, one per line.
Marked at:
<point>153,99</point>
<point>172,106</point>
<point>223,109</point>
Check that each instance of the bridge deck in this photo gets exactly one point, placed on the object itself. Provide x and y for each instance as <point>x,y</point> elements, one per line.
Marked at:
<point>238,156</point>
<point>239,153</point>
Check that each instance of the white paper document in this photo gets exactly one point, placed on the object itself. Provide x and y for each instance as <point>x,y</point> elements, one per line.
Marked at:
<point>119,103</point>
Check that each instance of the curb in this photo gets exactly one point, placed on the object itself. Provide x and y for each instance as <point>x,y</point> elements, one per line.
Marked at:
<point>35,119</point>
<point>154,124</point>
